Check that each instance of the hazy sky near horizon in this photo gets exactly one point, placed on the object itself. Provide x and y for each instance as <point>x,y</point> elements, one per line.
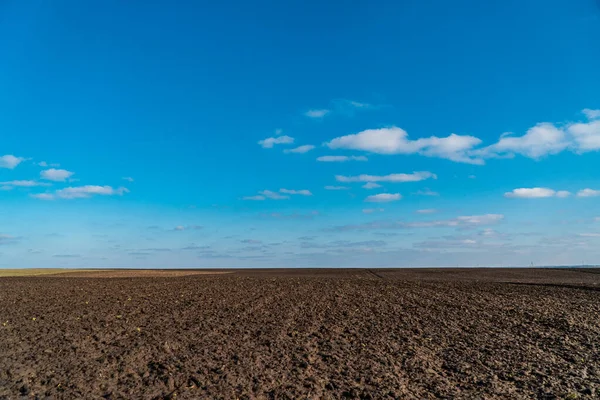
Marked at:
<point>299,133</point>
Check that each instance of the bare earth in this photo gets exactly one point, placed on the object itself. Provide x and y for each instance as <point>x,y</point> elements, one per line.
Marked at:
<point>286,334</point>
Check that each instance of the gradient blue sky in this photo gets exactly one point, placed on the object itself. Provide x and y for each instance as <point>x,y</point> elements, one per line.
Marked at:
<point>181,135</point>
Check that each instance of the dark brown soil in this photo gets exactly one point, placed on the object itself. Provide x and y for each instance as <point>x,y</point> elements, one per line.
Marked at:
<point>408,334</point>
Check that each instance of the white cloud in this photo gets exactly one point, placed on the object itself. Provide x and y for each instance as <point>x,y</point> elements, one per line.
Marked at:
<point>58,175</point>
<point>472,177</point>
<point>591,114</point>
<point>588,193</point>
<point>255,198</point>
<point>586,136</point>
<point>341,158</point>
<point>336,188</point>
<point>426,192</point>
<point>81,192</point>
<point>128,178</point>
<point>426,211</point>
<point>301,149</point>
<point>273,195</point>
<point>535,193</point>
<point>414,177</point>
<point>383,197</point>
<point>268,143</point>
<point>43,164</point>
<point>371,185</point>
<point>589,234</point>
<point>395,140</point>
<point>9,161</point>
<point>300,192</point>
<point>316,113</point>
<point>28,183</point>
<point>372,210</point>
<point>541,140</point>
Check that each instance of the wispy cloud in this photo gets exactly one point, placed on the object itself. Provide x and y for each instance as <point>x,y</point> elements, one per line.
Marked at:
<point>300,149</point>
<point>371,185</point>
<point>591,114</point>
<point>536,193</point>
<point>57,175</point>
<point>273,195</point>
<point>8,239</point>
<point>383,197</point>
<point>251,241</point>
<point>341,158</point>
<point>26,183</point>
<point>414,177</point>
<point>128,178</point>
<point>426,192</point>
<point>281,195</point>
<point>426,211</point>
<point>187,227</point>
<point>466,222</point>
<point>337,188</point>
<point>588,193</point>
<point>372,210</point>
<point>268,143</point>
<point>317,113</point>
<point>303,192</point>
<point>81,192</point>
<point>276,215</point>
<point>9,161</point>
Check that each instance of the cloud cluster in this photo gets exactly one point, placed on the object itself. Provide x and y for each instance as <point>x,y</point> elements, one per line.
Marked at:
<point>539,141</point>
<point>394,140</point>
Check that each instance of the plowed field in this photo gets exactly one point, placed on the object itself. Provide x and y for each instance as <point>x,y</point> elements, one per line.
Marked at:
<point>398,334</point>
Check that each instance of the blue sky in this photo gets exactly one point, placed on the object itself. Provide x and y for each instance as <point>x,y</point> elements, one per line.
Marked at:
<point>300,133</point>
